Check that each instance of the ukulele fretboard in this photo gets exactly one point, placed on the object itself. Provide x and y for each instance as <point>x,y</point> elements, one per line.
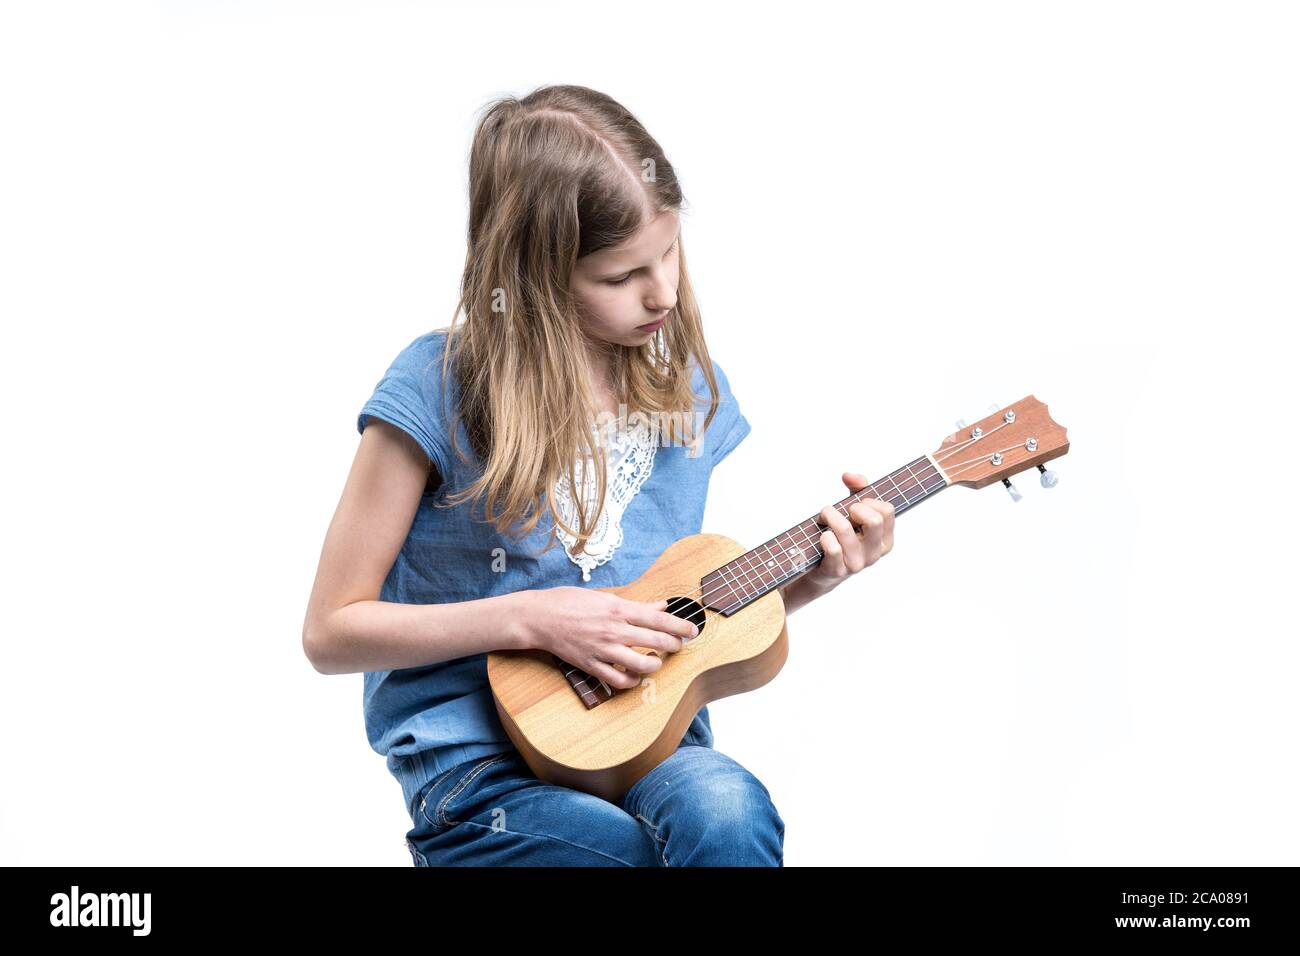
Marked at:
<point>780,560</point>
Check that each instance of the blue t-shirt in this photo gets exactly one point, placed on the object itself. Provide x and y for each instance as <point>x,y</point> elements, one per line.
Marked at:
<point>427,719</point>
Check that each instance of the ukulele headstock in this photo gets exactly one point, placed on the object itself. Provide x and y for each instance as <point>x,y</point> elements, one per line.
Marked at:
<point>1011,440</point>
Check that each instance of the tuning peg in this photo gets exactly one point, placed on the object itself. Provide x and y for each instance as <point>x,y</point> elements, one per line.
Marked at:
<point>994,407</point>
<point>961,423</point>
<point>1011,490</point>
<point>1048,478</point>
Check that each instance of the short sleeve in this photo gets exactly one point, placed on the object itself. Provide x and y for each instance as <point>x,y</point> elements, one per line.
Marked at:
<point>410,397</point>
<point>729,425</point>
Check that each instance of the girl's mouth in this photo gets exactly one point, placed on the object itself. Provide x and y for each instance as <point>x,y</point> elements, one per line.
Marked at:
<point>651,327</point>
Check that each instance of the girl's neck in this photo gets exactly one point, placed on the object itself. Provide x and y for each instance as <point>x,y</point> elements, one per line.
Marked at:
<point>604,396</point>
<point>602,389</point>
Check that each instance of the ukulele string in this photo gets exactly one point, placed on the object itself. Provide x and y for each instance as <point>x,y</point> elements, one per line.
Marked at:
<point>948,453</point>
<point>795,570</point>
<point>972,462</point>
<point>748,569</point>
<point>810,540</point>
<point>814,542</point>
<point>951,471</point>
<point>697,615</point>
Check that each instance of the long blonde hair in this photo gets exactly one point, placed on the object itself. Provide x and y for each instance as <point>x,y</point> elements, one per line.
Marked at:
<point>554,176</point>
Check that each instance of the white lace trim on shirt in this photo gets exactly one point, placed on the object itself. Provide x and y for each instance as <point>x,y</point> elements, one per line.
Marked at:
<point>630,455</point>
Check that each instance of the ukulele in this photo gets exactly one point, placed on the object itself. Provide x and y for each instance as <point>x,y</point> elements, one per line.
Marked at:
<point>573,729</point>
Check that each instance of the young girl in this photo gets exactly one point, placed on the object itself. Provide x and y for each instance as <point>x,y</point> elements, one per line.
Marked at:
<point>483,453</point>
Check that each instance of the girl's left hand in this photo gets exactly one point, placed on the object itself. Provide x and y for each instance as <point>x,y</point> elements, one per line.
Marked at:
<point>846,551</point>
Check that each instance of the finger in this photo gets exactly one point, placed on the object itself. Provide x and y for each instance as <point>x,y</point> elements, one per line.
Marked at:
<point>632,661</point>
<point>854,481</point>
<point>832,564</point>
<point>886,509</point>
<point>611,675</point>
<point>855,558</point>
<point>653,616</point>
<point>636,636</point>
<point>879,525</point>
<point>869,520</point>
<point>887,536</point>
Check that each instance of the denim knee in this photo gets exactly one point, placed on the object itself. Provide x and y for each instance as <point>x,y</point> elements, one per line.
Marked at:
<point>735,823</point>
<point>738,807</point>
<point>704,809</point>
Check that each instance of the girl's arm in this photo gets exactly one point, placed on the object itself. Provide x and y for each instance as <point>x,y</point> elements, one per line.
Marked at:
<point>799,592</point>
<point>347,628</point>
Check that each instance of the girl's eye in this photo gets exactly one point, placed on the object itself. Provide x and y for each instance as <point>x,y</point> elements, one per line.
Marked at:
<point>624,280</point>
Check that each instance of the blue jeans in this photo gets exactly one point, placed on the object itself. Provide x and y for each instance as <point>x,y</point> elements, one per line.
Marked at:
<point>697,808</point>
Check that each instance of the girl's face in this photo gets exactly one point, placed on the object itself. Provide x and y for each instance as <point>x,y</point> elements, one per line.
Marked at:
<point>625,292</point>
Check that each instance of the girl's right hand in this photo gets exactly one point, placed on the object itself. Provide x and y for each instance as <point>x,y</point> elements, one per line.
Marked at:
<point>595,630</point>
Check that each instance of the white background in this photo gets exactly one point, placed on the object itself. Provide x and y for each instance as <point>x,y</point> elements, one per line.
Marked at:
<point>221,221</point>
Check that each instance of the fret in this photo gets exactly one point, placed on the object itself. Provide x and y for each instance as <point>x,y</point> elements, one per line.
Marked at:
<point>910,482</point>
<point>746,581</point>
<point>753,564</point>
<point>744,570</point>
<point>581,682</point>
<point>797,550</point>
<point>768,553</point>
<point>898,490</point>
<point>737,592</point>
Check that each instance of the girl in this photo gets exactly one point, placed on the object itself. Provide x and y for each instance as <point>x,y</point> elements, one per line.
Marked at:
<point>482,454</point>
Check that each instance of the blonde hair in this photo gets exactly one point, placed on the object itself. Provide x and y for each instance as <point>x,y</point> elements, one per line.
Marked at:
<point>555,176</point>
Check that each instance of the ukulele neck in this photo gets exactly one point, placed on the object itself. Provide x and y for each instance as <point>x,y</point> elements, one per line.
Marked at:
<point>778,561</point>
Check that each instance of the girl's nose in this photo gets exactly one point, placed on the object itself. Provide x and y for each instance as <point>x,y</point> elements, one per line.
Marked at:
<point>663,293</point>
<point>662,296</point>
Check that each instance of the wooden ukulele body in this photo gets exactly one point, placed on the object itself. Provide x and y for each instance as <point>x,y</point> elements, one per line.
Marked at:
<point>605,749</point>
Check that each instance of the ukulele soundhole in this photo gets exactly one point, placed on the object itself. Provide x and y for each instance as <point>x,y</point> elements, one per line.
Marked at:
<point>592,690</point>
<point>688,610</point>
